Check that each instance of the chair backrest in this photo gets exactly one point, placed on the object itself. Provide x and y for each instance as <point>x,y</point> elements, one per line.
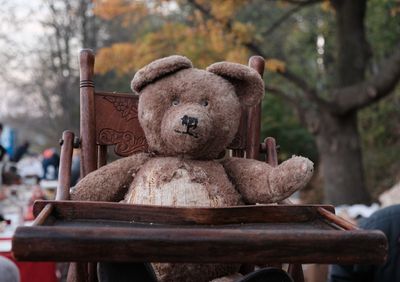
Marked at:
<point>110,118</point>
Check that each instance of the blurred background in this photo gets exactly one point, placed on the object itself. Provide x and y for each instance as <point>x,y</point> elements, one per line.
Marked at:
<point>332,88</point>
<point>332,72</point>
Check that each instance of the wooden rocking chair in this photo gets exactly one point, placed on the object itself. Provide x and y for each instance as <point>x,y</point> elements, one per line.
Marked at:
<point>84,232</point>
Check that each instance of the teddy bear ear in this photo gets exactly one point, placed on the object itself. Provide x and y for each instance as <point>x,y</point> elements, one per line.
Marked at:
<point>158,69</point>
<point>249,85</point>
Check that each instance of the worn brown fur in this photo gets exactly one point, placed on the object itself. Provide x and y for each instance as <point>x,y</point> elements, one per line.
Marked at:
<point>189,116</point>
<point>109,183</point>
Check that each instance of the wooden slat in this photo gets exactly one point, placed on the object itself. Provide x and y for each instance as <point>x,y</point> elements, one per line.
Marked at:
<point>44,215</point>
<point>336,219</point>
<point>174,215</point>
<point>101,155</point>
<point>254,113</point>
<point>64,179</point>
<point>211,245</point>
<point>87,112</point>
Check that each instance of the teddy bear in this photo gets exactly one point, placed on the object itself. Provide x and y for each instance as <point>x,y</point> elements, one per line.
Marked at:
<point>189,117</point>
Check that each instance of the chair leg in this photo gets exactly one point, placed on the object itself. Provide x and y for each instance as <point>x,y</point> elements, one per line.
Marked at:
<point>92,272</point>
<point>77,272</point>
<point>296,271</point>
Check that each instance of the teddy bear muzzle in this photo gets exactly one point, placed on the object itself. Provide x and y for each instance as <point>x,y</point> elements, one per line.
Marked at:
<point>191,124</point>
<point>186,130</point>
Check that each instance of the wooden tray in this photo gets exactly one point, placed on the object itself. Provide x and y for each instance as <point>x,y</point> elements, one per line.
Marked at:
<point>99,231</point>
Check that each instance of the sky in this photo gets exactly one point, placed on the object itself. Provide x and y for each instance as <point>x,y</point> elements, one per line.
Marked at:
<point>19,31</point>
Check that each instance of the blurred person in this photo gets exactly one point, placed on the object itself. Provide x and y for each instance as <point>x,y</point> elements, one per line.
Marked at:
<point>37,194</point>
<point>50,159</point>
<point>8,270</point>
<point>20,152</point>
<point>388,221</point>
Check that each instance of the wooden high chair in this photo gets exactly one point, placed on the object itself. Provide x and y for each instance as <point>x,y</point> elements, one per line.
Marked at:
<point>84,232</point>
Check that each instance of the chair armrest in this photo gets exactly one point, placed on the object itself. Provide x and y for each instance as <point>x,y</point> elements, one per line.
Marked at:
<point>64,179</point>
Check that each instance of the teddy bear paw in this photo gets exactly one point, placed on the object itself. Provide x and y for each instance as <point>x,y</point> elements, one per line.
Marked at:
<point>291,176</point>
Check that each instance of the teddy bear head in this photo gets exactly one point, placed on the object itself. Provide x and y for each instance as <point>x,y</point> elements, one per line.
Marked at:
<point>190,112</point>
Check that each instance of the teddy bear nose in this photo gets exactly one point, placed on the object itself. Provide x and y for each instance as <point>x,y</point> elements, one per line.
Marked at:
<point>189,122</point>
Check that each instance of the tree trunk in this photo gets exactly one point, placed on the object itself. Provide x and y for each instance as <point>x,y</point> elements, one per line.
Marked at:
<point>338,144</point>
<point>338,139</point>
<point>353,48</point>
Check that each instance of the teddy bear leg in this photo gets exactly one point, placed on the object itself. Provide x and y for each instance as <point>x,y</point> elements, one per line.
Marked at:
<point>125,272</point>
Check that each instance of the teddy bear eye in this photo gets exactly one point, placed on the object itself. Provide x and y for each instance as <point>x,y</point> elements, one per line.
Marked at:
<point>204,103</point>
<point>175,102</point>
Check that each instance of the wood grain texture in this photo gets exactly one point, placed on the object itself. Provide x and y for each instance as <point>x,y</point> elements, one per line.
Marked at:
<point>176,215</point>
<point>166,244</point>
<point>88,231</point>
<point>81,231</point>
<point>87,112</point>
<point>64,178</point>
<point>117,123</point>
<point>254,116</point>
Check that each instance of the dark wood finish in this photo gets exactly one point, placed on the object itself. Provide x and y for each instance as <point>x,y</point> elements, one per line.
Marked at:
<point>79,272</point>
<point>239,143</point>
<point>162,244</point>
<point>87,231</point>
<point>238,153</point>
<point>136,233</point>
<point>112,118</point>
<point>296,271</point>
<point>64,176</point>
<point>341,222</point>
<point>45,215</point>
<point>271,151</point>
<point>254,114</point>
<point>117,123</point>
<point>101,155</point>
<point>87,112</point>
<point>173,215</point>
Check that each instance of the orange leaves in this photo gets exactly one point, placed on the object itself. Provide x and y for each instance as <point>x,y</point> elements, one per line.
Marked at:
<point>225,10</point>
<point>128,57</point>
<point>326,6</point>
<point>200,36</point>
<point>238,55</point>
<point>243,32</point>
<point>275,65</point>
<point>203,46</point>
<point>395,10</point>
<point>118,57</point>
<point>131,11</point>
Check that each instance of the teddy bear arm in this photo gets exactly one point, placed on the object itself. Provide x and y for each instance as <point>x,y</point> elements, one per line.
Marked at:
<point>110,182</point>
<point>250,178</point>
<point>258,182</point>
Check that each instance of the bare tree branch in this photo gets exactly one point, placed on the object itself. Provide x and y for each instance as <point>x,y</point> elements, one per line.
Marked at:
<point>285,16</point>
<point>310,92</point>
<point>293,100</point>
<point>360,95</point>
<point>299,1</point>
<point>308,117</point>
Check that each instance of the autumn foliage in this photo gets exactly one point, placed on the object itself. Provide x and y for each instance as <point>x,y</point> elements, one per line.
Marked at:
<point>203,39</point>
